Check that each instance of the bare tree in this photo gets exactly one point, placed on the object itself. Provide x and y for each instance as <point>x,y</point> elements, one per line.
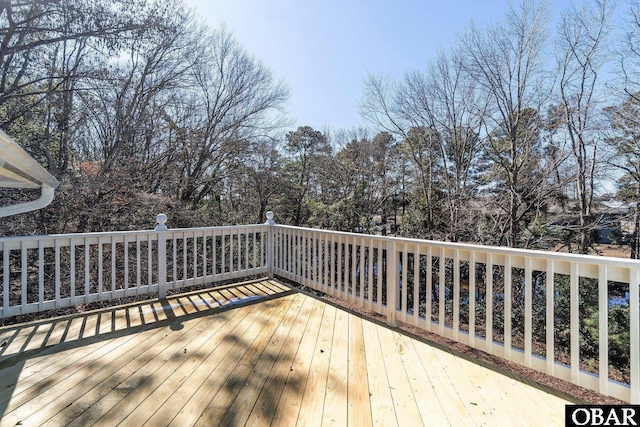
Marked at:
<point>132,99</point>
<point>581,54</point>
<point>239,98</point>
<point>624,120</point>
<point>506,60</point>
<point>261,177</point>
<point>30,30</point>
<point>629,51</point>
<point>438,116</point>
<point>406,109</point>
<point>134,90</point>
<point>458,113</point>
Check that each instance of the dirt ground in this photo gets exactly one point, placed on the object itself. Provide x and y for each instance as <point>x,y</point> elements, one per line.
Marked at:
<point>615,251</point>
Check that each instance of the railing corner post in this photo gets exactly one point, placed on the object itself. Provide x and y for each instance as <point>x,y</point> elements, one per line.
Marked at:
<point>392,283</point>
<point>634,332</point>
<point>161,229</point>
<point>270,230</point>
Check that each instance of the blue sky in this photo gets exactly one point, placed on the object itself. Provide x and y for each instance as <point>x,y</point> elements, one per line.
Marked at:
<point>324,49</point>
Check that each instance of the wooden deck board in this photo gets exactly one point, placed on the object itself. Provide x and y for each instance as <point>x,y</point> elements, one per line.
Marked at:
<point>313,397</point>
<point>382,410</point>
<point>359,405</point>
<point>424,392</point>
<point>264,408</point>
<point>80,386</point>
<point>88,354</point>
<point>405,405</point>
<point>284,359</point>
<point>448,397</point>
<point>336,399</point>
<point>25,403</point>
<point>219,405</point>
<point>288,406</point>
<point>459,372</point>
<point>133,378</point>
<point>79,400</point>
<point>267,365</point>
<point>136,410</point>
<point>201,352</point>
<point>214,382</point>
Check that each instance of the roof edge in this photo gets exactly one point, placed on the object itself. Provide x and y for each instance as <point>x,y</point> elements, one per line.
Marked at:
<point>18,161</point>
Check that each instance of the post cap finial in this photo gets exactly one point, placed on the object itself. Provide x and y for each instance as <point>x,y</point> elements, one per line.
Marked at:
<point>270,220</point>
<point>161,219</point>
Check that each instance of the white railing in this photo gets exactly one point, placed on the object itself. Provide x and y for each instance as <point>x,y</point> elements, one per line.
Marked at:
<point>523,291</point>
<point>55,271</point>
<point>536,307</point>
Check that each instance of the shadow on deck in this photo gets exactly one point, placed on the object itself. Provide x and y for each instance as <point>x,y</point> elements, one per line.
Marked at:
<point>255,353</point>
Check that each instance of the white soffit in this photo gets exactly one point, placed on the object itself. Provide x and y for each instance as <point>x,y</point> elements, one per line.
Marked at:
<point>19,170</point>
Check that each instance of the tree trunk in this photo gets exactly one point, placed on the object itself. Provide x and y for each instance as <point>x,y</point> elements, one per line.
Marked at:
<point>635,243</point>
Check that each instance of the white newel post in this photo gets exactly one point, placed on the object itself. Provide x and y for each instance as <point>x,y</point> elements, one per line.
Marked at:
<point>161,229</point>
<point>392,282</point>
<point>270,222</point>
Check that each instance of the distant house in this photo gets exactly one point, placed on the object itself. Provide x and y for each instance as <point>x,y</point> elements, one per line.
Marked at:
<point>614,220</point>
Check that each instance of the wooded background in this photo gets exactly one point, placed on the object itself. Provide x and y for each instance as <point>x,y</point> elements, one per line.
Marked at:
<point>509,137</point>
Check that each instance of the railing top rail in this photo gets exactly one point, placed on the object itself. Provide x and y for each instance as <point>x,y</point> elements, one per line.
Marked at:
<point>220,227</point>
<point>501,250</point>
<point>74,235</point>
<point>122,233</point>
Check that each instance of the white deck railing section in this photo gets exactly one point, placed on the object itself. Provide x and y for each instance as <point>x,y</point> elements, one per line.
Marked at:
<point>55,271</point>
<point>403,280</point>
<point>463,292</point>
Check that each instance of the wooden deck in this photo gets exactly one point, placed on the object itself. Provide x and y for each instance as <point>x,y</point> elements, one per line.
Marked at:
<point>250,354</point>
